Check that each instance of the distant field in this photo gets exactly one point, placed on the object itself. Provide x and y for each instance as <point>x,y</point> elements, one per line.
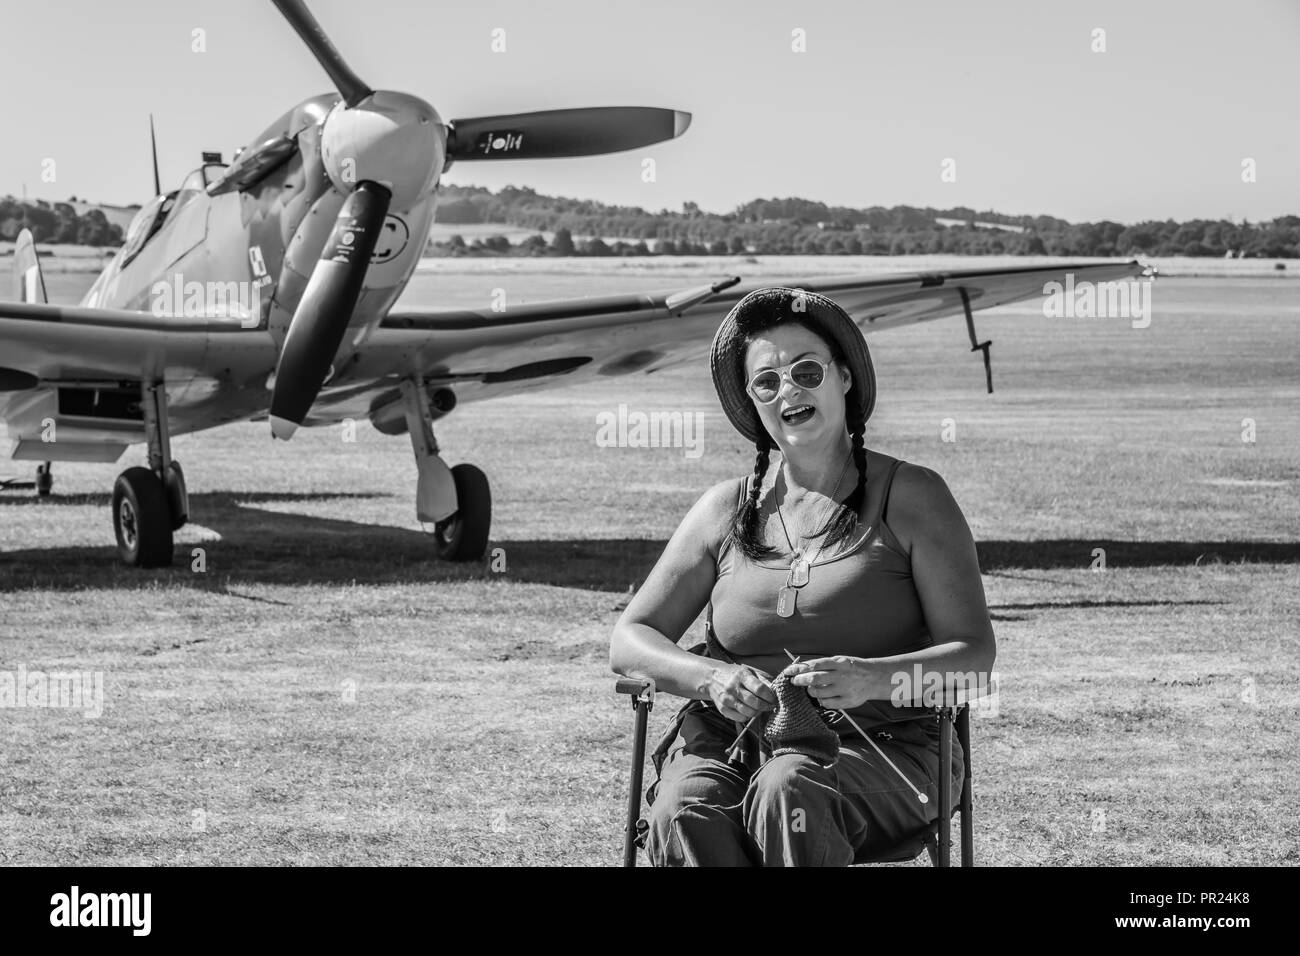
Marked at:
<point>326,692</point>
<point>1172,266</point>
<point>57,259</point>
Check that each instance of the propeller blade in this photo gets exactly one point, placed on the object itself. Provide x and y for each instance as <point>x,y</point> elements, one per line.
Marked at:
<point>351,86</point>
<point>552,134</point>
<point>322,316</point>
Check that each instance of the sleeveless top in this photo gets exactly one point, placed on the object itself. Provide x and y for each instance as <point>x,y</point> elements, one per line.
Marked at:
<point>860,601</point>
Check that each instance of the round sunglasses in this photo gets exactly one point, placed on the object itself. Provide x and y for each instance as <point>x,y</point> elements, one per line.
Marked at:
<point>805,373</point>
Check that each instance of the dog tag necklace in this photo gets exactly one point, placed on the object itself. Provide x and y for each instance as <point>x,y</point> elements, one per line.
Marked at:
<point>788,594</point>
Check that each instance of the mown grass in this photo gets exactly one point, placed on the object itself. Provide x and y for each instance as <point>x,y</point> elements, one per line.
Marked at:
<point>327,692</point>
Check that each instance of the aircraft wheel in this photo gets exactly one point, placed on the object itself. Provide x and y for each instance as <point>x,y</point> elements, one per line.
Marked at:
<point>142,519</point>
<point>464,535</point>
<point>44,480</point>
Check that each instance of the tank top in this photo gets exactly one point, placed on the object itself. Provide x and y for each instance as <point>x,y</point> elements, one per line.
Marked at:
<point>860,601</point>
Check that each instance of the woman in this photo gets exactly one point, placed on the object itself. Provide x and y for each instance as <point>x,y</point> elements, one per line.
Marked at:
<point>859,566</point>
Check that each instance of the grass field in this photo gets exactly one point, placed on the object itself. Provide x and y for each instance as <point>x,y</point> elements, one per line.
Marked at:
<point>327,692</point>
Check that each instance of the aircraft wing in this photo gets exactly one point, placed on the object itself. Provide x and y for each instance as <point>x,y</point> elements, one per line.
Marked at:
<point>53,342</point>
<point>481,353</point>
<point>44,348</point>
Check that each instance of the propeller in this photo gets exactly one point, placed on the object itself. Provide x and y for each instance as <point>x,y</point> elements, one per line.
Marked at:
<point>349,85</point>
<point>378,149</point>
<point>385,150</point>
<point>322,316</point>
<point>551,134</point>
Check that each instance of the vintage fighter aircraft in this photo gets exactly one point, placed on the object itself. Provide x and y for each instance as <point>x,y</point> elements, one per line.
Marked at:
<point>268,289</point>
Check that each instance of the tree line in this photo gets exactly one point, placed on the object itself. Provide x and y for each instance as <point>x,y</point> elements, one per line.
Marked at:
<point>795,226</point>
<point>56,223</point>
<point>790,226</point>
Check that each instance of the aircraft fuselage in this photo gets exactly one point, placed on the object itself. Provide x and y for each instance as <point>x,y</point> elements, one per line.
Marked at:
<point>245,252</point>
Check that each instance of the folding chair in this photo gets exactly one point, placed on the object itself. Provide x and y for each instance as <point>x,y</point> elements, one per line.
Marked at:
<point>936,839</point>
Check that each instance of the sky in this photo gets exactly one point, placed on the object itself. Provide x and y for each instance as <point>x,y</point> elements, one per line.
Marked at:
<point>1037,119</point>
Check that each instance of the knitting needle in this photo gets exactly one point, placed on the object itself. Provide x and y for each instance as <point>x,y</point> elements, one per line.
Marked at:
<point>919,795</point>
<point>735,745</point>
<point>731,751</point>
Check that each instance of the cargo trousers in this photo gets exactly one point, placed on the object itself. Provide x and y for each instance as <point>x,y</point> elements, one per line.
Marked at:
<point>791,810</point>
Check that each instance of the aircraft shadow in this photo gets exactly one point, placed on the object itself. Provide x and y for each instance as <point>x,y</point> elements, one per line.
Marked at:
<point>28,500</point>
<point>264,546</point>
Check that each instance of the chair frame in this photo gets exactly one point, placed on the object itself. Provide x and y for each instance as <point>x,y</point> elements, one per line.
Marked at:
<point>939,843</point>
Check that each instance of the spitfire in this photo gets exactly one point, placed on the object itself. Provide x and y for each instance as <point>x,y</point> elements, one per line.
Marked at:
<point>324,215</point>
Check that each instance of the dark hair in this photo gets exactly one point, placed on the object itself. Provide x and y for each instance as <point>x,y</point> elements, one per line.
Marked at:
<point>744,523</point>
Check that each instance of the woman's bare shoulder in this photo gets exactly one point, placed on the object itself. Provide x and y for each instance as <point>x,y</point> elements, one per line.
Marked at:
<point>920,503</point>
<point>726,494</point>
<point>709,519</point>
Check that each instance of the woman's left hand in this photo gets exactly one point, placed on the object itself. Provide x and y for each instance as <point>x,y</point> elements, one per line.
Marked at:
<point>839,683</point>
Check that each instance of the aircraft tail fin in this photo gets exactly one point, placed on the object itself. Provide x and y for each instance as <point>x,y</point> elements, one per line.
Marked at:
<point>29,283</point>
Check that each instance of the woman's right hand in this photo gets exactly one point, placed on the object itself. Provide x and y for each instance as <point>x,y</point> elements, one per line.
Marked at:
<point>739,692</point>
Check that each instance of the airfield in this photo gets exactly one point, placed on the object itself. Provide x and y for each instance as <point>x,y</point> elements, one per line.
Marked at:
<point>325,691</point>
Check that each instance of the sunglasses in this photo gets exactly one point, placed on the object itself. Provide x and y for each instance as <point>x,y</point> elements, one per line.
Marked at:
<point>805,373</point>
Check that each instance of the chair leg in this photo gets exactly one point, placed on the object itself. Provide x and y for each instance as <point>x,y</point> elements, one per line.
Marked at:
<point>642,709</point>
<point>967,825</point>
<point>945,786</point>
<point>932,848</point>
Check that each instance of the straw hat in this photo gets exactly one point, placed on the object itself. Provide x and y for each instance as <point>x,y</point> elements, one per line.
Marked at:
<point>766,308</point>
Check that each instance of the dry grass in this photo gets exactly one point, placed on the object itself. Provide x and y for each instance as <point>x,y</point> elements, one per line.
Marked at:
<point>484,728</point>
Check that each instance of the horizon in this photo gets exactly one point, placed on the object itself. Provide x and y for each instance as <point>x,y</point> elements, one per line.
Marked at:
<point>1038,123</point>
<point>652,212</point>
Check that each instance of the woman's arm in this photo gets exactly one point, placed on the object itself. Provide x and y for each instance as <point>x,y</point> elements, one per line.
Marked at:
<point>644,641</point>
<point>945,570</point>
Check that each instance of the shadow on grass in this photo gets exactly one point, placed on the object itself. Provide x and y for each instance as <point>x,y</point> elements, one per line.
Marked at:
<point>260,546</point>
<point>1077,554</point>
<point>1063,605</point>
<point>104,499</point>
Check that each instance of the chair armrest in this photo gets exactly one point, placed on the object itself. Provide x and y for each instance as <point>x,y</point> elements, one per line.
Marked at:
<point>635,686</point>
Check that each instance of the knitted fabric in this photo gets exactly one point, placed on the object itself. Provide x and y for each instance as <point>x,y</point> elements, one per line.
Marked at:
<point>797,726</point>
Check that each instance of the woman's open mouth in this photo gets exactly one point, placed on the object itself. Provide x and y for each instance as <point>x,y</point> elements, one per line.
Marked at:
<point>797,414</point>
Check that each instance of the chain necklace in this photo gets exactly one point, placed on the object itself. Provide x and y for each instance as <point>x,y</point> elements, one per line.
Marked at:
<point>800,567</point>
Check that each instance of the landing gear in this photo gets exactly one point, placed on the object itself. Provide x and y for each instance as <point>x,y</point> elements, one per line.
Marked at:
<point>178,499</point>
<point>464,535</point>
<point>42,484</point>
<point>457,501</point>
<point>150,503</point>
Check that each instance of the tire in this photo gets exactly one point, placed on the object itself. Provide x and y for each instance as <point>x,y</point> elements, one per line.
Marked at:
<point>142,521</point>
<point>464,536</point>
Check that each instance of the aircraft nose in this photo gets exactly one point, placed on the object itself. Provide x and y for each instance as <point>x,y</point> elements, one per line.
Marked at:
<point>394,139</point>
